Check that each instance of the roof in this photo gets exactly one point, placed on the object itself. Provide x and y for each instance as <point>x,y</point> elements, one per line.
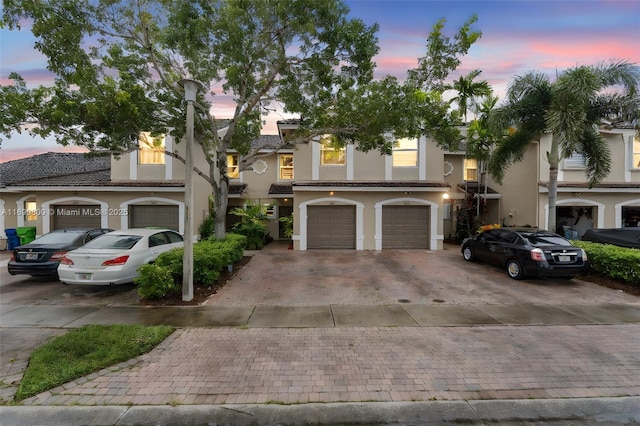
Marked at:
<point>281,189</point>
<point>374,184</point>
<point>66,168</point>
<point>472,188</point>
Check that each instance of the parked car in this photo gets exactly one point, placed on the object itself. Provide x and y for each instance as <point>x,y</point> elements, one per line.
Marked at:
<point>115,257</point>
<point>623,237</point>
<point>526,251</point>
<point>42,255</point>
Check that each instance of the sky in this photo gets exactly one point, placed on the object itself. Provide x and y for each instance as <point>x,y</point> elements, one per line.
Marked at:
<point>518,36</point>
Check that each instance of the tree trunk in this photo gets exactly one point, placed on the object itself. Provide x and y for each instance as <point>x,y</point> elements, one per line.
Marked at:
<point>221,199</point>
<point>554,160</point>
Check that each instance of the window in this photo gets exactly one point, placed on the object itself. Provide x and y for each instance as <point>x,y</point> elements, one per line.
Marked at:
<point>331,153</point>
<point>30,207</point>
<point>470,169</point>
<point>151,149</point>
<point>286,166</point>
<point>635,156</point>
<point>576,161</point>
<point>233,166</point>
<point>405,153</point>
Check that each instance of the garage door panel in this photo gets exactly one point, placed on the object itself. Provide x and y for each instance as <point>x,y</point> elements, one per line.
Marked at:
<point>405,227</point>
<point>143,216</point>
<point>331,227</point>
<point>76,216</point>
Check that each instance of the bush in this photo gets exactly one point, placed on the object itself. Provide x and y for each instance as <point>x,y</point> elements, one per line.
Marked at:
<point>619,263</point>
<point>209,258</point>
<point>207,228</point>
<point>256,233</point>
<point>155,282</point>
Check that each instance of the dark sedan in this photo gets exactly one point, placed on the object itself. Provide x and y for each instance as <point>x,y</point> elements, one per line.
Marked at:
<point>42,255</point>
<point>526,251</point>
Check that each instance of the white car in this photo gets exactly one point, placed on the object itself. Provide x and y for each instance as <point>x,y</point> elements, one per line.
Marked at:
<point>114,258</point>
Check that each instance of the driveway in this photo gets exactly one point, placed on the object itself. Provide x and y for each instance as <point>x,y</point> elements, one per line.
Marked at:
<point>277,276</point>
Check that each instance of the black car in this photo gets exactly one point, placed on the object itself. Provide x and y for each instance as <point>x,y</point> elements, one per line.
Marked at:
<point>526,251</point>
<point>42,255</point>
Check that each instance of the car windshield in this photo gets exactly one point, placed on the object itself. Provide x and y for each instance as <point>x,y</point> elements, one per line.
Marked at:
<point>547,240</point>
<point>108,241</point>
<point>58,237</point>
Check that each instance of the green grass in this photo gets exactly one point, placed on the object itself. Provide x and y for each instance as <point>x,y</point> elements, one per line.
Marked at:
<point>84,351</point>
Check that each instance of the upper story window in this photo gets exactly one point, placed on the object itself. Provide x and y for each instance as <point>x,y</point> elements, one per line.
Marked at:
<point>233,166</point>
<point>151,149</point>
<point>405,153</point>
<point>576,161</point>
<point>331,153</point>
<point>470,169</point>
<point>285,162</point>
<point>635,155</point>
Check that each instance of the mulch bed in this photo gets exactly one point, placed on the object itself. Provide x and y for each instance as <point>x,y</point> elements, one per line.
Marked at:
<point>604,281</point>
<point>200,292</point>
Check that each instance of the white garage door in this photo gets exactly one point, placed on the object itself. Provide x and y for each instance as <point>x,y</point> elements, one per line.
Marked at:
<point>158,216</point>
<point>405,227</point>
<point>331,227</point>
<point>76,216</point>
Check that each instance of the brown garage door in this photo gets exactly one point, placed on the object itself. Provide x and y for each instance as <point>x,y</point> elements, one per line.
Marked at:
<point>143,216</point>
<point>405,227</point>
<point>331,227</point>
<point>76,216</point>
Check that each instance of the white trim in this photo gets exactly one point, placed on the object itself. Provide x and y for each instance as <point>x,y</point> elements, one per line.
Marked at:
<point>2,234</point>
<point>388,167</point>
<point>405,189</point>
<point>168,160</point>
<point>433,219</point>
<point>17,189</point>
<point>618,210</point>
<point>124,220</point>
<point>46,211</point>
<point>422,158</point>
<point>302,237</point>
<point>133,165</point>
<point>583,202</point>
<point>20,208</point>
<point>349,160</point>
<point>543,190</point>
<point>315,160</point>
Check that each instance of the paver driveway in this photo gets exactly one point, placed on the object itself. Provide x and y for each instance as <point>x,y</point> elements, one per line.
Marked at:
<point>277,276</point>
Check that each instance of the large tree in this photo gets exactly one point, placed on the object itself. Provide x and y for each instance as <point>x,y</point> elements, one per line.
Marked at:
<point>117,64</point>
<point>570,108</point>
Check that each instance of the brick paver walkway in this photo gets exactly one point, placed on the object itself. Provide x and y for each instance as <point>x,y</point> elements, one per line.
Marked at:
<point>232,365</point>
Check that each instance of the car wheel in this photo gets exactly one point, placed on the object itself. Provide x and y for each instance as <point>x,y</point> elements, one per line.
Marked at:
<point>514,269</point>
<point>467,254</point>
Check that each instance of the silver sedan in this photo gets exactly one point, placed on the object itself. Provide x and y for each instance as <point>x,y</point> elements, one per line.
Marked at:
<point>114,258</point>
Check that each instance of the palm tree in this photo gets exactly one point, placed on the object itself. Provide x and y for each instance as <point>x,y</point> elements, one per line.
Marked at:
<point>571,109</point>
<point>468,90</point>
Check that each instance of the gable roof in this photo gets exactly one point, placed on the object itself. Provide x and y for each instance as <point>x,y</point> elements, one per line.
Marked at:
<point>56,168</point>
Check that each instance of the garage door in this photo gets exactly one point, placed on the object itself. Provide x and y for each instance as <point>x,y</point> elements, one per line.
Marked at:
<point>331,227</point>
<point>142,216</point>
<point>405,227</point>
<point>76,216</point>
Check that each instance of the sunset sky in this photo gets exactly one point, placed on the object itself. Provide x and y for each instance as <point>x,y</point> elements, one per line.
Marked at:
<point>518,36</point>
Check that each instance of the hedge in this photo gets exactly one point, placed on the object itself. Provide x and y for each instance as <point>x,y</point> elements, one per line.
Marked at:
<point>210,256</point>
<point>619,263</point>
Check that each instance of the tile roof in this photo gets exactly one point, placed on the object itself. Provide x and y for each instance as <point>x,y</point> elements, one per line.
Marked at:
<point>472,188</point>
<point>280,189</point>
<point>54,165</point>
<point>374,184</point>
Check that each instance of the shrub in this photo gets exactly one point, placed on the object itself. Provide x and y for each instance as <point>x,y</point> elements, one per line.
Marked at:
<point>256,233</point>
<point>207,228</point>
<point>155,282</point>
<point>619,263</point>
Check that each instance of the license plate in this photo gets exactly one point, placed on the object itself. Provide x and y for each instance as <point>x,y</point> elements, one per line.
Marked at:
<point>31,256</point>
<point>84,276</point>
<point>564,258</point>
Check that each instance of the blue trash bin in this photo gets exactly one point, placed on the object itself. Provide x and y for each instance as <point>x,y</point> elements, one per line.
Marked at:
<point>13,240</point>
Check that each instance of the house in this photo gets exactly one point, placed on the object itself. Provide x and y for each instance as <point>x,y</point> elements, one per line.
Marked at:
<point>341,198</point>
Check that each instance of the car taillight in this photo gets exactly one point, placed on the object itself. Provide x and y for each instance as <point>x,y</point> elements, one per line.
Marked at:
<point>66,261</point>
<point>537,254</point>
<point>13,257</point>
<point>120,260</point>
<point>584,255</point>
<point>58,255</point>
